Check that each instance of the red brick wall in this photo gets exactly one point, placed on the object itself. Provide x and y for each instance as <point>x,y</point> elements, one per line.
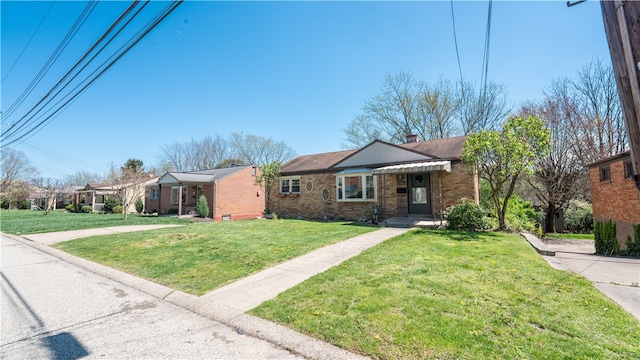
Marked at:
<point>615,200</point>
<point>239,196</point>
<point>310,204</point>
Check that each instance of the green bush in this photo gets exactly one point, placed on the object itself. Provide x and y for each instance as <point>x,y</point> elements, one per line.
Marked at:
<point>86,209</point>
<point>139,205</point>
<point>70,208</point>
<point>110,203</point>
<point>172,211</point>
<point>633,246</point>
<point>578,218</point>
<point>521,215</point>
<point>466,215</point>
<point>202,206</point>
<point>118,209</point>
<point>605,238</point>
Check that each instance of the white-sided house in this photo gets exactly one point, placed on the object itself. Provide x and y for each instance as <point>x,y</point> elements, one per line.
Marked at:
<point>415,179</point>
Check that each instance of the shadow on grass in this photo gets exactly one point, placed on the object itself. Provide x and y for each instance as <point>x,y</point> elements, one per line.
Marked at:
<point>458,235</point>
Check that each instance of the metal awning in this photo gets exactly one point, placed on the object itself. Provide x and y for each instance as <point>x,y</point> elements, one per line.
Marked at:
<point>411,168</point>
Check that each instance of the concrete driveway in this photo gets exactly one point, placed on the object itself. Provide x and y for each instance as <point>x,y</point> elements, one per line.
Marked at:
<point>616,277</point>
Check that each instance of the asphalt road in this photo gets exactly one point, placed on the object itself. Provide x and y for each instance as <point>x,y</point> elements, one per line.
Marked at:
<point>51,309</point>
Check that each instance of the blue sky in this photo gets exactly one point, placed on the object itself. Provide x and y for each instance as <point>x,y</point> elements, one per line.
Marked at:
<point>294,71</point>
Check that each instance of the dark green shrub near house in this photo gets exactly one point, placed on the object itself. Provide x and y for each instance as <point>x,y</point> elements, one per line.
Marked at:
<point>139,205</point>
<point>110,203</point>
<point>86,209</point>
<point>633,246</point>
<point>118,209</point>
<point>70,208</point>
<point>202,206</point>
<point>466,215</point>
<point>605,238</point>
<point>172,211</point>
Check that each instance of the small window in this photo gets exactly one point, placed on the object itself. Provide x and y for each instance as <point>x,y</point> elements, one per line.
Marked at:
<point>290,185</point>
<point>628,169</point>
<point>153,194</point>
<point>605,174</point>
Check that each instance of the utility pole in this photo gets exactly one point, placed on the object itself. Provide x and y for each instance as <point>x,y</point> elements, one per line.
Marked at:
<point>622,26</point>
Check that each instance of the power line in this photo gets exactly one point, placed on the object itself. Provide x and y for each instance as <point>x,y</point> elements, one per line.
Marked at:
<point>485,58</point>
<point>455,40</point>
<point>52,59</point>
<point>123,50</point>
<point>8,133</point>
<point>28,42</point>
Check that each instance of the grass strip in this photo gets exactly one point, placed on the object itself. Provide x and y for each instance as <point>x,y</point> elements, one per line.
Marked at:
<point>456,295</point>
<point>203,256</point>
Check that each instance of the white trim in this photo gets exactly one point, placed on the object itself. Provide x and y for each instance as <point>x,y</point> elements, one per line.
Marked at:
<point>410,168</point>
<point>289,185</point>
<point>340,190</point>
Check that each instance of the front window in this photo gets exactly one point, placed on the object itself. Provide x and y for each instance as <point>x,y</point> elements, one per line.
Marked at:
<point>153,194</point>
<point>360,187</point>
<point>175,193</point>
<point>290,185</point>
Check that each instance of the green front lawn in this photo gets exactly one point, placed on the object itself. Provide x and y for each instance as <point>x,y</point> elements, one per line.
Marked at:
<point>21,222</point>
<point>203,256</point>
<point>456,295</point>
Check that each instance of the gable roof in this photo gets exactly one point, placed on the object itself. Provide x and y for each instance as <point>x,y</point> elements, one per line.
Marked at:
<point>202,176</point>
<point>377,153</point>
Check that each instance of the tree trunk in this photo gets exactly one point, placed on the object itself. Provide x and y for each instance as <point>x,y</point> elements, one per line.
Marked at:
<point>550,219</point>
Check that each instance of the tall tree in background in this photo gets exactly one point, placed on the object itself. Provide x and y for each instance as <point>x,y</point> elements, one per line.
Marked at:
<point>82,178</point>
<point>203,154</point>
<point>406,105</point>
<point>259,150</point>
<point>15,166</point>
<point>599,128</point>
<point>559,177</point>
<point>482,109</point>
<point>437,111</point>
<point>503,157</point>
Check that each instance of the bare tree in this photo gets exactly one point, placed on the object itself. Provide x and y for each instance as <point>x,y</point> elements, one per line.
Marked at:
<point>361,131</point>
<point>559,177</point>
<point>49,189</point>
<point>439,106</point>
<point>82,178</point>
<point>599,129</point>
<point>15,166</point>
<point>259,150</point>
<point>483,108</point>
<point>202,154</point>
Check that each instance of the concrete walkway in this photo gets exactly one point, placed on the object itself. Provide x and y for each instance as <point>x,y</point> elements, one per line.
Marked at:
<point>61,236</point>
<point>617,277</point>
<point>251,291</point>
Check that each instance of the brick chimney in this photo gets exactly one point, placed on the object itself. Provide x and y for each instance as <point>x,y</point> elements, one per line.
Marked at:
<point>411,138</point>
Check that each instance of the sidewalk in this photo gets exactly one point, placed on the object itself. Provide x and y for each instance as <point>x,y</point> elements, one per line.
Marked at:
<point>60,236</point>
<point>228,304</point>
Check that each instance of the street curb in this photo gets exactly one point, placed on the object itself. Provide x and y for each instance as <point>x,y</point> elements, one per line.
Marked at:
<point>540,247</point>
<point>278,335</point>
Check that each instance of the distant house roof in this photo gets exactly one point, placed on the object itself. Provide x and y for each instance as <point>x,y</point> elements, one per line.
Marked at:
<point>201,177</point>
<point>378,153</point>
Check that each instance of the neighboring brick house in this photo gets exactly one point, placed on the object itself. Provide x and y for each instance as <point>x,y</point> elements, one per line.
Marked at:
<point>419,178</point>
<point>614,194</point>
<point>231,193</point>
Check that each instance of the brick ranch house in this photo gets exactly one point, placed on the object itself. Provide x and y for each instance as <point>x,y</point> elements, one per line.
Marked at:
<point>614,194</point>
<point>231,193</point>
<point>415,179</point>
